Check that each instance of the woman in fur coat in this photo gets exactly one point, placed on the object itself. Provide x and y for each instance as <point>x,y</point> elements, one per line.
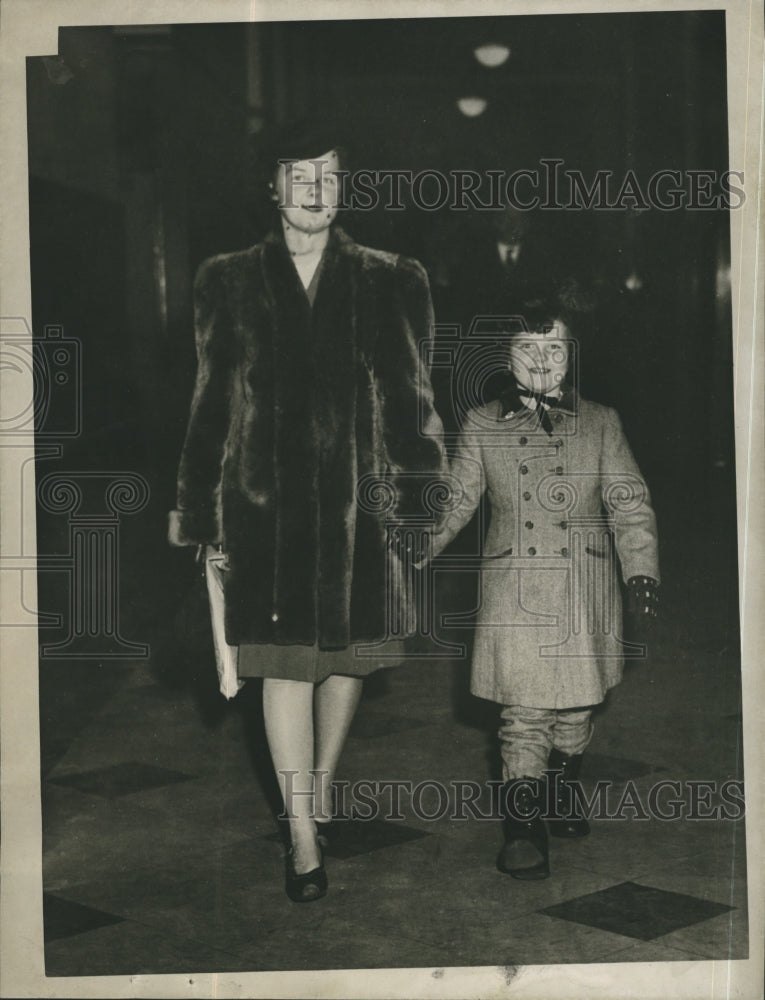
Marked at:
<point>311,429</point>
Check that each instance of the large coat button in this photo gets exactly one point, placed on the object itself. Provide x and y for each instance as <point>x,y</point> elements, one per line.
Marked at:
<point>524,469</point>
<point>532,551</point>
<point>527,495</point>
<point>529,524</point>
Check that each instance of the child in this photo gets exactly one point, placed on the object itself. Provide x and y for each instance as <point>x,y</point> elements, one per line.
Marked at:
<point>565,497</point>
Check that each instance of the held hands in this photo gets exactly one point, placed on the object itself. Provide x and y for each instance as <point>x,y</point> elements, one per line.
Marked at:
<point>411,545</point>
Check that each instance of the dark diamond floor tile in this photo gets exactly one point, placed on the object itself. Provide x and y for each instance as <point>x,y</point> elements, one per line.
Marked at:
<point>369,725</point>
<point>63,918</point>
<point>600,766</point>
<point>351,838</point>
<point>71,694</point>
<point>637,911</point>
<point>121,779</point>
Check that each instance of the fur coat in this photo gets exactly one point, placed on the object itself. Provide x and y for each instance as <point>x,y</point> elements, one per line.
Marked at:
<point>311,430</point>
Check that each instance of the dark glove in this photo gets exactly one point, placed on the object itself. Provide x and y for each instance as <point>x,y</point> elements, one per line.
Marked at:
<point>642,609</point>
<point>642,599</point>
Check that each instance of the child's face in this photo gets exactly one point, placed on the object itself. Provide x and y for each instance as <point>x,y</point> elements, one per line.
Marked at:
<point>539,361</point>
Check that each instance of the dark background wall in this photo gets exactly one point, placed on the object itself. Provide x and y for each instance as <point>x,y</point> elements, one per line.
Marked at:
<point>139,168</point>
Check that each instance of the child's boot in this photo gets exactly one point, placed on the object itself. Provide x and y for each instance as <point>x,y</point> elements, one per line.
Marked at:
<point>525,853</point>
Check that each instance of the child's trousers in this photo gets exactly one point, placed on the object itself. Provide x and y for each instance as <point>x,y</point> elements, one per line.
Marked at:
<point>528,735</point>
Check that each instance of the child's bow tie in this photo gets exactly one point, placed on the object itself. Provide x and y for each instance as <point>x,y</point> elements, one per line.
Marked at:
<point>542,403</point>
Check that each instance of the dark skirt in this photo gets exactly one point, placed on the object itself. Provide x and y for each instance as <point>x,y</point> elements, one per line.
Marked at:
<point>310,663</point>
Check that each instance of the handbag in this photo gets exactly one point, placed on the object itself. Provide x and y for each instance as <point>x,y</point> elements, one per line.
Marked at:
<point>226,656</point>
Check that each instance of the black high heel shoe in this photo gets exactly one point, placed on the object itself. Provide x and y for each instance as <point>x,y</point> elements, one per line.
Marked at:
<point>308,886</point>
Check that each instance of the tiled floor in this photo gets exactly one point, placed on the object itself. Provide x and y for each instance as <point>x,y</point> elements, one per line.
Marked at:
<point>161,853</point>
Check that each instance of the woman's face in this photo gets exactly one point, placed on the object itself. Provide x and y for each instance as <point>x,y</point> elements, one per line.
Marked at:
<point>539,361</point>
<point>308,192</point>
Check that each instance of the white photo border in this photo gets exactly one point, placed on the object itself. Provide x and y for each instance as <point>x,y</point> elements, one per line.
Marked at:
<point>30,28</point>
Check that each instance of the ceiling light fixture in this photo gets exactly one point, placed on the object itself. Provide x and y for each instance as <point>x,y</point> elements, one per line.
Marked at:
<point>472,107</point>
<point>492,54</point>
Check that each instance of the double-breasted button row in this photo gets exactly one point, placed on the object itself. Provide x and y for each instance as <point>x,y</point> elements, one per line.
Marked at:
<point>557,443</point>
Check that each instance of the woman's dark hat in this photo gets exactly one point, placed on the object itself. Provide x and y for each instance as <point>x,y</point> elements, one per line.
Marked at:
<point>303,138</point>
